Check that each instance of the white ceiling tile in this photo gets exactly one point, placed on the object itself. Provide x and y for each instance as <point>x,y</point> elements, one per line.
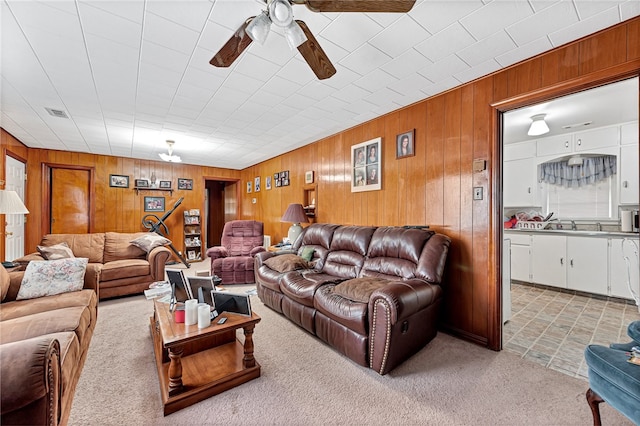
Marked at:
<point>259,68</point>
<point>477,71</point>
<point>169,34</point>
<point>315,90</point>
<point>280,86</point>
<point>498,13</point>
<point>243,83</point>
<point>351,94</point>
<point>607,18</point>
<point>365,59</point>
<point>232,14</point>
<point>490,47</point>
<point>589,8</point>
<point>446,42</point>
<point>553,18</point>
<point>523,52</point>
<point>131,10</point>
<point>375,80</point>
<point>40,16</point>
<point>297,72</point>
<point>406,64</point>
<point>342,78</point>
<point>436,15</point>
<point>444,68</point>
<point>629,9</point>
<point>200,78</point>
<point>106,25</point>
<point>351,30</point>
<point>410,84</point>
<point>193,17</point>
<point>275,49</point>
<point>382,97</point>
<point>538,5</point>
<point>402,35</point>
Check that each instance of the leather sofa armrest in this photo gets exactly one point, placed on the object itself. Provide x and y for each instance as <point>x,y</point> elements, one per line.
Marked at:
<point>31,384</point>
<point>261,257</point>
<point>217,252</point>
<point>92,276</point>
<point>404,298</point>
<point>158,258</point>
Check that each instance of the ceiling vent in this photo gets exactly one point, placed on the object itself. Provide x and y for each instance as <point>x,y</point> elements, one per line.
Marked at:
<point>573,126</point>
<point>57,113</point>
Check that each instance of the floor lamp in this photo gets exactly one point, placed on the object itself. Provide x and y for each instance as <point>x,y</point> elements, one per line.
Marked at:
<point>294,214</point>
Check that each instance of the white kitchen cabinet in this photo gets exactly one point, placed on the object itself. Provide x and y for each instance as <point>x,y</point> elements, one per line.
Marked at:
<point>587,264</point>
<point>520,256</point>
<point>589,140</point>
<point>554,145</point>
<point>519,150</point>
<point>629,133</point>
<point>519,183</point>
<point>549,259</point>
<point>629,171</point>
<point>618,272</point>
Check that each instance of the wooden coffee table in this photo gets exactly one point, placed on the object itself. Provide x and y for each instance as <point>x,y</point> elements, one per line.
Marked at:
<point>194,364</point>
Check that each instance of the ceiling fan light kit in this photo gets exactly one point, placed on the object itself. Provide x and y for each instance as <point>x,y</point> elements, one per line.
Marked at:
<point>296,32</point>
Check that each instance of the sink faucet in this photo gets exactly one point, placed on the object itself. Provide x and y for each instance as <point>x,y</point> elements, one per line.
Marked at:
<point>573,225</point>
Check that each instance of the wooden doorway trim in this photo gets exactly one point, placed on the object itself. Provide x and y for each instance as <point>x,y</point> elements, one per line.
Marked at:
<point>205,179</point>
<point>586,82</point>
<point>45,223</point>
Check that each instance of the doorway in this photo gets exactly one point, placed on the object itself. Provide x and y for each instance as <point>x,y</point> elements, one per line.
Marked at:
<point>222,206</point>
<point>68,207</point>
<point>14,229</point>
<point>551,322</point>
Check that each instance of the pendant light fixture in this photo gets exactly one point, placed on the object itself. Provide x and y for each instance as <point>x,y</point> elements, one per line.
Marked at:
<point>170,157</point>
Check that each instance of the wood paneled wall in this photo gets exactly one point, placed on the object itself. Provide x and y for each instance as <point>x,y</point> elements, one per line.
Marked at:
<point>114,209</point>
<point>435,186</point>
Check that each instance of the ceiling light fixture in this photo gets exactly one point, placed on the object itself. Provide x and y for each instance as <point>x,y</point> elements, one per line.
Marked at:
<point>170,157</point>
<point>279,12</point>
<point>538,125</point>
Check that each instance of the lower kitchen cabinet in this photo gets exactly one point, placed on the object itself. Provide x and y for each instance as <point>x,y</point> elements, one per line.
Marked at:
<point>619,273</point>
<point>587,264</point>
<point>549,259</point>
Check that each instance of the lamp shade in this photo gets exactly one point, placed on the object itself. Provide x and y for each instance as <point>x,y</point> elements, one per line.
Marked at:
<point>10,203</point>
<point>295,214</point>
<point>538,125</point>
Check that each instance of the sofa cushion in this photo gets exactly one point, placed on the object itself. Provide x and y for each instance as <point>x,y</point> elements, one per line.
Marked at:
<point>117,246</point>
<point>90,246</point>
<point>359,289</point>
<point>351,314</point>
<point>287,262</point>
<point>56,251</point>
<point>50,277</point>
<point>76,319</point>
<point>21,308</point>
<point>126,268</point>
<point>307,253</point>
<point>149,241</point>
<point>5,282</point>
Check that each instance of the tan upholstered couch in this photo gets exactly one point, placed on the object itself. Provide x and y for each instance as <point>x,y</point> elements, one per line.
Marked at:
<point>43,347</point>
<point>124,268</point>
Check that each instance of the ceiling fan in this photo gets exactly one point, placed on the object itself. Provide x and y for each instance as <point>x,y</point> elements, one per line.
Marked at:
<point>298,35</point>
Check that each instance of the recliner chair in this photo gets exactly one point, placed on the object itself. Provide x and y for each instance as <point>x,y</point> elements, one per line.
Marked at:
<point>612,379</point>
<point>232,261</point>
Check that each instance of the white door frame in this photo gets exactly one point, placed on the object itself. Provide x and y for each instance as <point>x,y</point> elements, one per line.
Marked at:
<point>14,226</point>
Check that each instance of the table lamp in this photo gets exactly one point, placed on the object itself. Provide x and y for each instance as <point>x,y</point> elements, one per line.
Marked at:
<point>295,214</point>
<point>10,203</point>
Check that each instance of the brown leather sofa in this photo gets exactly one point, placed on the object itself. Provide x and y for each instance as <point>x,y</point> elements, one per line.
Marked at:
<point>372,293</point>
<point>43,347</point>
<point>124,268</point>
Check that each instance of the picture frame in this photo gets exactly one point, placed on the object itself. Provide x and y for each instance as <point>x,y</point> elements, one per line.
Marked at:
<point>366,166</point>
<point>267,183</point>
<point>308,177</point>
<point>405,144</point>
<point>153,204</point>
<point>248,187</point>
<point>256,184</point>
<point>119,181</point>
<point>165,184</point>
<point>141,183</point>
<point>185,184</point>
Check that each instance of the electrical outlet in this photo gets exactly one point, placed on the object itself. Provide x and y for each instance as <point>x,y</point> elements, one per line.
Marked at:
<point>477,193</point>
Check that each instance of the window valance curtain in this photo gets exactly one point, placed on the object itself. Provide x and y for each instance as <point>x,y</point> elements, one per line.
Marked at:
<point>592,170</point>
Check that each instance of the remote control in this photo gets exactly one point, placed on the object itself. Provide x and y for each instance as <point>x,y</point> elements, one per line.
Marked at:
<point>222,320</point>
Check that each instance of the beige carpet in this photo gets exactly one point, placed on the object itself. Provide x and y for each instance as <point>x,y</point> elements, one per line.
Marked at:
<point>449,382</point>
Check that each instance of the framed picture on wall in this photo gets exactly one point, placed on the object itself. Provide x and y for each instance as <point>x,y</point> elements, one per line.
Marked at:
<point>165,184</point>
<point>248,187</point>
<point>366,166</point>
<point>142,183</point>
<point>153,204</point>
<point>308,177</point>
<point>256,184</point>
<point>119,181</point>
<point>267,182</point>
<point>186,184</point>
<point>405,144</point>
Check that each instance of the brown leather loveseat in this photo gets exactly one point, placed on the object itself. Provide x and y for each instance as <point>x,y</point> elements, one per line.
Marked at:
<point>372,293</point>
<point>123,267</point>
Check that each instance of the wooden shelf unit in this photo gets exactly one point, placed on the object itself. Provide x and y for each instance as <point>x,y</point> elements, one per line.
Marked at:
<point>192,235</point>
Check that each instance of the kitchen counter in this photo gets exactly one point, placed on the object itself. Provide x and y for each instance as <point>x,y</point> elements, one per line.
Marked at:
<point>576,233</point>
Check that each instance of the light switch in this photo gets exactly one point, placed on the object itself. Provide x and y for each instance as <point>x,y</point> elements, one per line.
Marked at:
<point>477,193</point>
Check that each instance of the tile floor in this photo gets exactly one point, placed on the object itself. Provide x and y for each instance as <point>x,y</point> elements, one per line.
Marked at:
<point>552,328</point>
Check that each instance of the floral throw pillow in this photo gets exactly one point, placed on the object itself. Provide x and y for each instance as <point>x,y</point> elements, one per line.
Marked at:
<point>56,251</point>
<point>49,277</point>
<point>150,241</point>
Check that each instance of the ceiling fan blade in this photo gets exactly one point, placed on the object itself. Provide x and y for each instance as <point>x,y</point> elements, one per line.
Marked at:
<point>358,5</point>
<point>314,55</point>
<point>233,48</point>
